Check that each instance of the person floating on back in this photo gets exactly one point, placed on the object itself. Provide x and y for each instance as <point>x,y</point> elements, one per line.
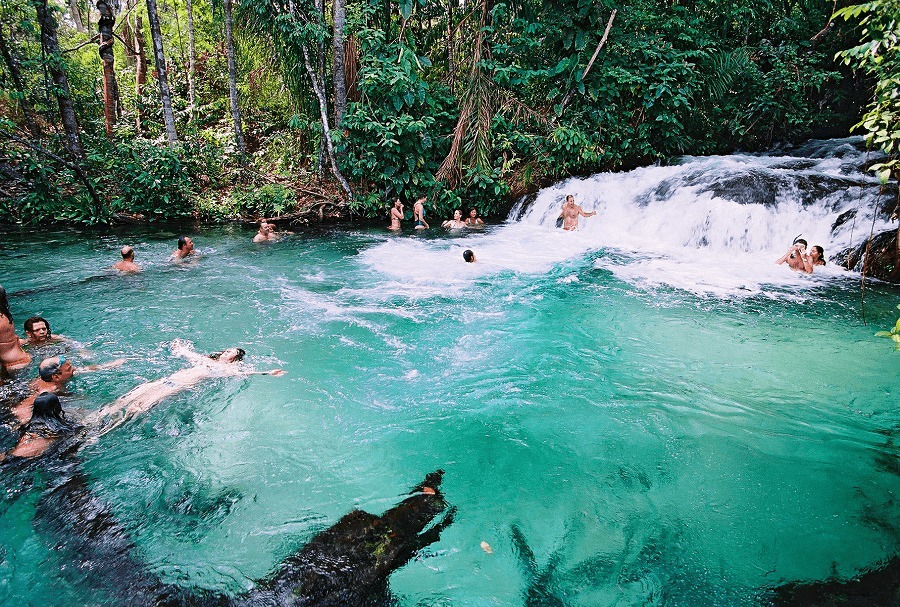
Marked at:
<point>185,248</point>
<point>127,264</point>
<point>570,212</point>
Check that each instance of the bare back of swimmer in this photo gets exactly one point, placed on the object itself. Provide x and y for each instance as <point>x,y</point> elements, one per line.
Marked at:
<point>12,356</point>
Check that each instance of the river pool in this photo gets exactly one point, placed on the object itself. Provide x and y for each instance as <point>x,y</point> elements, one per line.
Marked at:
<point>654,444</point>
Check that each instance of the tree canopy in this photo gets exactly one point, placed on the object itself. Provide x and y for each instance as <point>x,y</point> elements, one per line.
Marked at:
<point>170,108</point>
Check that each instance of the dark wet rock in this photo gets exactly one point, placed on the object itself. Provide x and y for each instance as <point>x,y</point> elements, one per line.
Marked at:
<point>882,262</point>
<point>348,564</point>
<point>879,587</point>
<point>801,164</point>
<point>843,218</point>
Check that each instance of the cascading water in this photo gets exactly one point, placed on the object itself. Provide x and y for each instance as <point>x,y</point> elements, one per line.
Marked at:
<point>717,224</point>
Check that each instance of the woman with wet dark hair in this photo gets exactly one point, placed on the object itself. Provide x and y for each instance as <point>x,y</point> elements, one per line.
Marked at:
<point>47,425</point>
<point>817,255</point>
<point>12,356</point>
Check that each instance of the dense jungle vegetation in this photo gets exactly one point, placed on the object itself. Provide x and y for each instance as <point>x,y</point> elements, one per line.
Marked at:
<point>225,108</point>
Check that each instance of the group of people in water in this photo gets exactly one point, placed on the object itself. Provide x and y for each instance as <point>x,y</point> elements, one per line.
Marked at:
<point>34,407</point>
<point>798,260</point>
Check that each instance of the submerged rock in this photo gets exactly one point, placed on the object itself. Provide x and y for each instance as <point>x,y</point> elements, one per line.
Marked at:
<point>879,587</point>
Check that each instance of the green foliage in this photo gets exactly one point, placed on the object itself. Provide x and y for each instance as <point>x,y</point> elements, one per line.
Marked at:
<point>893,334</point>
<point>268,201</point>
<point>878,54</point>
<point>392,138</point>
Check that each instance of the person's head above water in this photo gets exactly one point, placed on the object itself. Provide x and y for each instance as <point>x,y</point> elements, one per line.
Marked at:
<point>570,199</point>
<point>801,241</point>
<point>469,256</point>
<point>818,255</point>
<point>185,244</point>
<point>56,369</point>
<point>37,329</point>
<point>231,355</point>
<point>47,417</point>
<point>127,253</point>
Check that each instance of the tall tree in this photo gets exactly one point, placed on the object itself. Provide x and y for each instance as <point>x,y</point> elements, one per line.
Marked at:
<point>15,73</point>
<point>75,12</point>
<point>320,16</point>
<point>50,44</point>
<point>340,84</point>
<point>232,81</point>
<point>140,68</point>
<point>160,59</point>
<point>191,54</point>
<point>107,56</point>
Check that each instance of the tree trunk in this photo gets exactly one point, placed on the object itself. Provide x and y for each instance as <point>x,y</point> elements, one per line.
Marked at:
<point>50,44</point>
<point>160,58</point>
<point>140,71</point>
<point>326,132</point>
<point>232,82</point>
<point>340,84</point>
<point>107,56</point>
<point>76,16</point>
<point>191,61</point>
<point>320,15</point>
<point>27,109</point>
<point>451,46</point>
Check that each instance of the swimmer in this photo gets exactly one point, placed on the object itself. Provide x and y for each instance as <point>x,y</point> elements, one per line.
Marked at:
<point>37,333</point>
<point>47,424</point>
<point>53,375</point>
<point>570,212</point>
<point>455,223</point>
<point>127,264</point>
<point>265,233</point>
<point>419,214</point>
<point>396,215</point>
<point>469,256</point>
<point>12,355</point>
<point>796,258</point>
<point>185,248</point>
<point>473,220</point>
<point>817,256</point>
<point>146,396</point>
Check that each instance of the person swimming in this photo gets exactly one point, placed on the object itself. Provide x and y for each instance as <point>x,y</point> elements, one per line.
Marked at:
<point>473,220</point>
<point>145,396</point>
<point>796,257</point>
<point>469,256</point>
<point>48,424</point>
<point>817,255</point>
<point>455,223</point>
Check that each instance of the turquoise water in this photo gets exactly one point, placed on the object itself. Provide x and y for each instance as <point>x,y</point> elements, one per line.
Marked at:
<point>657,446</point>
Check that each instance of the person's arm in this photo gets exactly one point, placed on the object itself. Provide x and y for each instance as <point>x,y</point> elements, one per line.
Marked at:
<point>275,372</point>
<point>807,264</point>
<point>583,214</point>
<point>103,366</point>
<point>785,257</point>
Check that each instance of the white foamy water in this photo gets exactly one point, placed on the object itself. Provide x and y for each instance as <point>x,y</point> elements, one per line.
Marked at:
<point>711,226</point>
